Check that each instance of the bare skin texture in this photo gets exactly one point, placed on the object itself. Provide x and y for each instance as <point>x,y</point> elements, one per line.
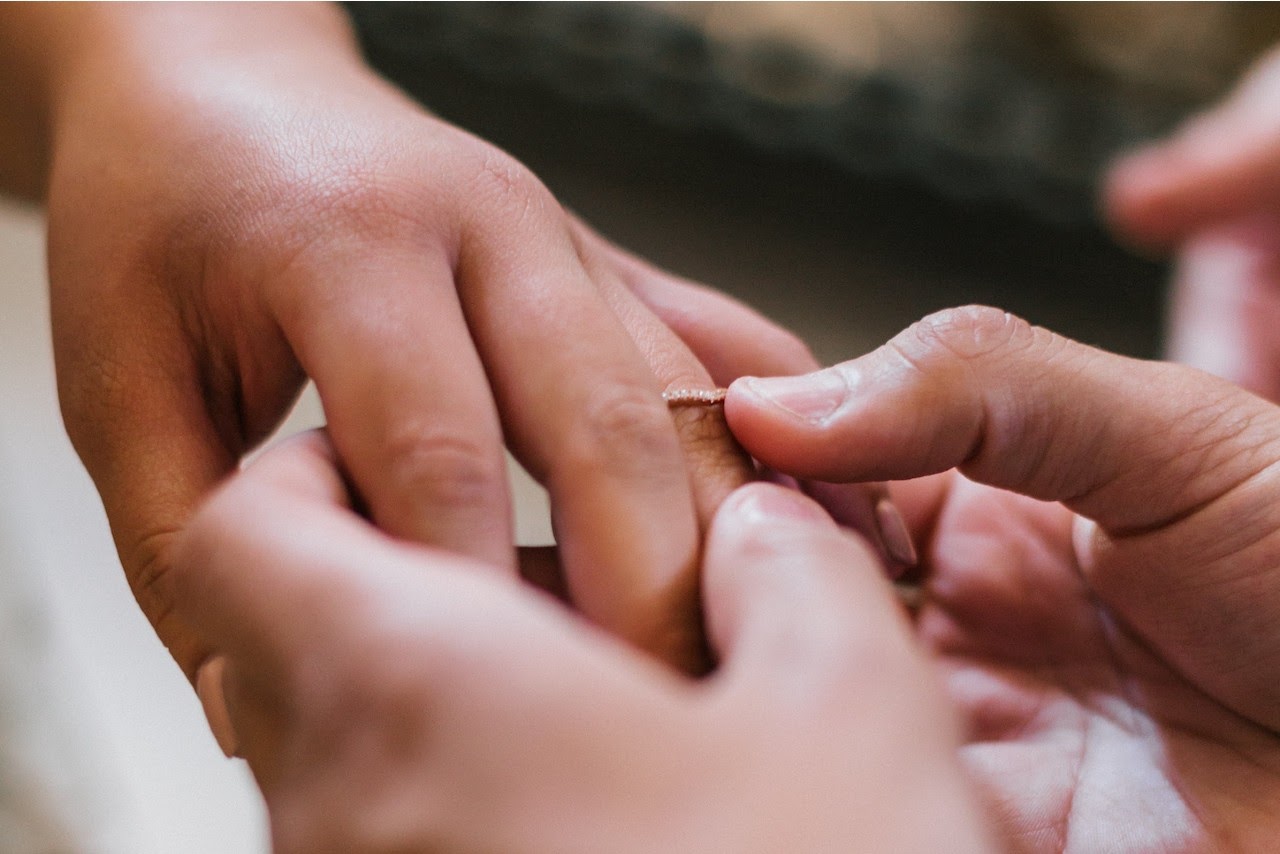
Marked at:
<point>236,203</point>
<point>1101,553</point>
<point>395,698</point>
<point>1210,194</point>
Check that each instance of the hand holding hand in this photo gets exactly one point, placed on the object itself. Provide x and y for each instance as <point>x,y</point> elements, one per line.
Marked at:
<point>1102,569</point>
<point>390,697</point>
<point>237,203</point>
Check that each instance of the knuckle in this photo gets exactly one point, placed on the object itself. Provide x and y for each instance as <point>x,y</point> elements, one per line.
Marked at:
<point>622,430</point>
<point>150,562</point>
<point>443,469</point>
<point>301,218</point>
<point>361,204</point>
<point>967,333</point>
<point>500,182</point>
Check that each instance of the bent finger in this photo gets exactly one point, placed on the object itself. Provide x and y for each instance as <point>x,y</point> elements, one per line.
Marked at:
<point>1131,444</point>
<point>579,382</point>
<point>405,396</point>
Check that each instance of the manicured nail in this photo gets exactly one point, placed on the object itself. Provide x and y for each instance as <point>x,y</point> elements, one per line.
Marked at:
<point>214,702</point>
<point>894,533</point>
<point>766,503</point>
<point>812,397</point>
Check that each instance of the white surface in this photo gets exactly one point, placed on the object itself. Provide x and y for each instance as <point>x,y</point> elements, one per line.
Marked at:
<point>114,730</point>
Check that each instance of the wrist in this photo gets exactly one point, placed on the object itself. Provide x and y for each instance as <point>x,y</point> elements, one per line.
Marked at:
<point>110,60</point>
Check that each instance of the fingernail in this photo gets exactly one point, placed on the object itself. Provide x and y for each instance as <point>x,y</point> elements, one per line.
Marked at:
<point>765,503</point>
<point>812,397</point>
<point>214,702</point>
<point>894,533</point>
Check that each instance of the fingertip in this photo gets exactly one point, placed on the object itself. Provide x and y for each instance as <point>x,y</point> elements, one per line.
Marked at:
<point>302,466</point>
<point>768,504</point>
<point>1137,195</point>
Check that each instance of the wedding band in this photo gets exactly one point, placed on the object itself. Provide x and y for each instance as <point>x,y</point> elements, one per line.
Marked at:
<point>694,397</point>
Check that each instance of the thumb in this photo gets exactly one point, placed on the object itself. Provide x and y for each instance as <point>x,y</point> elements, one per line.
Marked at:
<point>790,595</point>
<point>1176,467</point>
<point>1131,444</point>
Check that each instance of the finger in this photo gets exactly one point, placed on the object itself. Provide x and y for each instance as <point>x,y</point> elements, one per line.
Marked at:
<point>730,338</point>
<point>409,409</point>
<point>278,533</point>
<point>580,390</point>
<point>1175,467</point>
<point>285,525</point>
<point>1219,165</point>
<point>1226,304</point>
<point>715,464</point>
<point>733,340</point>
<point>790,597</point>
<point>1128,443</point>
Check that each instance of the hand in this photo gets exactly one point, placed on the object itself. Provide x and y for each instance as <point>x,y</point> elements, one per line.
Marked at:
<point>1210,193</point>
<point>1101,573</point>
<point>390,697</point>
<point>237,203</point>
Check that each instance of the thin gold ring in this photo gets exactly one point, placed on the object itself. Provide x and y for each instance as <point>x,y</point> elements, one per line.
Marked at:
<point>694,397</point>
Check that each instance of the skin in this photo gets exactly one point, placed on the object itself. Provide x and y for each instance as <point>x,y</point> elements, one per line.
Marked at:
<point>1100,549</point>
<point>392,697</point>
<point>1209,194</point>
<point>237,204</point>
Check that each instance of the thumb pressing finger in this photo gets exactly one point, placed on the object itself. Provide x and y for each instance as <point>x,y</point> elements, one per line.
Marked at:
<point>1131,444</point>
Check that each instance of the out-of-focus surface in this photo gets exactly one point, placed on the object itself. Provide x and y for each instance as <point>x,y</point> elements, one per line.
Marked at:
<point>1020,104</point>
<point>950,161</point>
<point>101,740</point>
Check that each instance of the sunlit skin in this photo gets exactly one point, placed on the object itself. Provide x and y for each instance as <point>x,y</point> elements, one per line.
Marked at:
<point>1111,639</point>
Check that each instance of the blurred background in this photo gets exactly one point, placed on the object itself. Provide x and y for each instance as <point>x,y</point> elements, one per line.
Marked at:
<point>845,168</point>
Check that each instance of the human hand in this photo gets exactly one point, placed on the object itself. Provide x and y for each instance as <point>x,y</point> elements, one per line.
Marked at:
<point>237,203</point>
<point>1101,575</point>
<point>1211,193</point>
<point>391,697</point>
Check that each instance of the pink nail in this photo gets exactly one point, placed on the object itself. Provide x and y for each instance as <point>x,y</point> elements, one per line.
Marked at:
<point>894,533</point>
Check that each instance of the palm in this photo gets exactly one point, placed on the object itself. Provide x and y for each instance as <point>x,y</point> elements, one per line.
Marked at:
<point>1082,737</point>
